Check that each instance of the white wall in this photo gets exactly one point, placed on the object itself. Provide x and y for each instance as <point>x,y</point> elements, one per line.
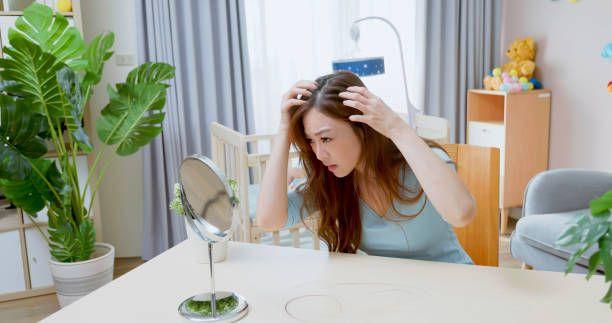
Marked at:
<point>570,38</point>
<point>120,195</point>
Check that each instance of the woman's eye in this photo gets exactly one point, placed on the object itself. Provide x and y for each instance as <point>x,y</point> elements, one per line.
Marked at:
<point>324,140</point>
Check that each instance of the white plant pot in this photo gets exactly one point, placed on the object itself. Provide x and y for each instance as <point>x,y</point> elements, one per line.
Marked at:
<point>199,247</point>
<point>74,280</point>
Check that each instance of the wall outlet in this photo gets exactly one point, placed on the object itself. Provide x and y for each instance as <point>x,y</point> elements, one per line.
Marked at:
<point>125,59</point>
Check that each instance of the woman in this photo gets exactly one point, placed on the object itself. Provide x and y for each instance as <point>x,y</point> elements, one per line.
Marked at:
<point>378,186</point>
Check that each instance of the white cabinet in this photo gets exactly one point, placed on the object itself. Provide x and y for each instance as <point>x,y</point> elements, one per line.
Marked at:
<point>6,22</point>
<point>38,258</point>
<point>12,277</point>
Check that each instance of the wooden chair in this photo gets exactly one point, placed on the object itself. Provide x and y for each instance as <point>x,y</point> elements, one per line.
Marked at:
<point>230,151</point>
<point>430,127</point>
<point>478,168</point>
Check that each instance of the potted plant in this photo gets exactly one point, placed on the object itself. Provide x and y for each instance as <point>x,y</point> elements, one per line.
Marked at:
<point>47,77</point>
<point>588,230</point>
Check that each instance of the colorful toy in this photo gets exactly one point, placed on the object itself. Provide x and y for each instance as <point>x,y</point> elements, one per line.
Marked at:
<point>64,5</point>
<point>516,75</point>
<point>606,52</point>
<point>610,86</point>
<point>508,83</point>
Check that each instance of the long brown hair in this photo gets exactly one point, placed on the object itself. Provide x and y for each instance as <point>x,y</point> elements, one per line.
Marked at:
<point>336,198</point>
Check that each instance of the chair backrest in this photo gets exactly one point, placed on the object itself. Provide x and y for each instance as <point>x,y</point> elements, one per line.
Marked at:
<point>238,156</point>
<point>431,127</point>
<point>478,168</point>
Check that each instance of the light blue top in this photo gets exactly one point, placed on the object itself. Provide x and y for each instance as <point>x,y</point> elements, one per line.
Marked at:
<point>425,237</point>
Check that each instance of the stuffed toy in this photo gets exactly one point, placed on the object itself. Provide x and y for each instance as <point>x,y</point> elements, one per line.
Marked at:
<point>516,75</point>
<point>522,55</point>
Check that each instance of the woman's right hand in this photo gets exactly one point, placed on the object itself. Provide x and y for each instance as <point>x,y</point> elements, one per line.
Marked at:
<point>290,99</point>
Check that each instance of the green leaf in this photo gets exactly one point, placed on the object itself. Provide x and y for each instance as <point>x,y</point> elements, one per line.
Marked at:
<point>572,233</point>
<point>87,239</point>
<point>96,54</point>
<point>608,297</point>
<point>602,205</point>
<point>70,242</point>
<point>571,262</point>
<point>62,236</point>
<point>593,262</point>
<point>35,74</point>
<point>150,73</point>
<point>133,116</point>
<point>19,126</point>
<point>605,250</point>
<point>73,108</point>
<point>52,33</point>
<point>32,193</point>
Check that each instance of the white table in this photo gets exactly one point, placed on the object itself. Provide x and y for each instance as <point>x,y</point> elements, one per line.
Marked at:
<point>407,290</point>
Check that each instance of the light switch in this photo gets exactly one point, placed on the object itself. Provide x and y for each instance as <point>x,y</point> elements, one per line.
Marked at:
<point>125,59</point>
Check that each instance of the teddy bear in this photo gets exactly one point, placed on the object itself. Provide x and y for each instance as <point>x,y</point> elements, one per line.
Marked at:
<point>516,75</point>
<point>522,54</point>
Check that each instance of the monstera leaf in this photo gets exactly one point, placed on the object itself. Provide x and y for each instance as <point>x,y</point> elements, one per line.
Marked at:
<point>34,74</point>
<point>19,127</point>
<point>52,33</point>
<point>133,116</point>
<point>32,193</point>
<point>73,107</point>
<point>70,244</point>
<point>96,54</point>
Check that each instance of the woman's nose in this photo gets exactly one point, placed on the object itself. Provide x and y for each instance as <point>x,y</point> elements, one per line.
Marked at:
<point>320,152</point>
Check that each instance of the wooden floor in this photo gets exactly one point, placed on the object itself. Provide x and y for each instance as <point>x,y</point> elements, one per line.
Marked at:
<point>36,308</point>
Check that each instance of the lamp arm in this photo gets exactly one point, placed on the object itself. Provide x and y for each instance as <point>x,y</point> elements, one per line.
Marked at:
<point>412,110</point>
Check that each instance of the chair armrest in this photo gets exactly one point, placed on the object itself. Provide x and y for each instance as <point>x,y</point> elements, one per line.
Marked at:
<point>562,190</point>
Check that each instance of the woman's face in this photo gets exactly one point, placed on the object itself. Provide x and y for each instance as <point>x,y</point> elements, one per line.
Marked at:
<point>333,141</point>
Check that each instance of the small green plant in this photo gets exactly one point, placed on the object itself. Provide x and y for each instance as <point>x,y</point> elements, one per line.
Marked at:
<point>222,306</point>
<point>176,204</point>
<point>594,227</point>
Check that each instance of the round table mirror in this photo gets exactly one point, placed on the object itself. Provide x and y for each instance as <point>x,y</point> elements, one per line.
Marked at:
<point>208,203</point>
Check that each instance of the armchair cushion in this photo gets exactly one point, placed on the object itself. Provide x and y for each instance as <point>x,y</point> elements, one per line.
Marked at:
<point>541,231</point>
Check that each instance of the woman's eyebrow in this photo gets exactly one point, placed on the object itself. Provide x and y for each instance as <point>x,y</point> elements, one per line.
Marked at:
<point>320,131</point>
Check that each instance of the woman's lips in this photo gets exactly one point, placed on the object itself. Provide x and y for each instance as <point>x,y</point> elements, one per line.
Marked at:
<point>332,167</point>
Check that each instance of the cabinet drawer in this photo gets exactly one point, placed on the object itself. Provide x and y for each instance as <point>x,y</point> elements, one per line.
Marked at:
<point>487,134</point>
<point>12,278</point>
<point>38,258</point>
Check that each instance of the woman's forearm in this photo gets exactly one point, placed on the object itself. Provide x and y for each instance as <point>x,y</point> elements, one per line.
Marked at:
<point>443,187</point>
<point>271,211</point>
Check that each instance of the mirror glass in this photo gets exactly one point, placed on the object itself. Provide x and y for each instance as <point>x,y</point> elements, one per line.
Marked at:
<point>206,198</point>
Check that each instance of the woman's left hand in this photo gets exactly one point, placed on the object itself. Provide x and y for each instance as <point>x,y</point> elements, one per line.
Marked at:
<point>376,113</point>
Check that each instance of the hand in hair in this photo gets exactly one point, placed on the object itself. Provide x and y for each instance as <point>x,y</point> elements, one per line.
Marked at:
<point>293,97</point>
<point>376,113</point>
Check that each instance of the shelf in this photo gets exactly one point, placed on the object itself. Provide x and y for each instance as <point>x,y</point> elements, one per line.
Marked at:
<point>490,122</point>
<point>20,13</point>
<point>502,93</point>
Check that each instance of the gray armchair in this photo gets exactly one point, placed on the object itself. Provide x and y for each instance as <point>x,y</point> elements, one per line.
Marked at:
<point>552,198</point>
